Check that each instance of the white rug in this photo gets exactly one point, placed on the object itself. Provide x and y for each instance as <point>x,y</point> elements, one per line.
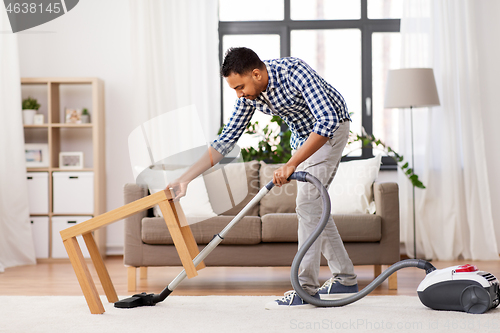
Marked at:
<point>235,314</point>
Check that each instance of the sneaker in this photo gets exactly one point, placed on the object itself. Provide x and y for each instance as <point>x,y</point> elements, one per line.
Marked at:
<point>290,300</point>
<point>333,289</point>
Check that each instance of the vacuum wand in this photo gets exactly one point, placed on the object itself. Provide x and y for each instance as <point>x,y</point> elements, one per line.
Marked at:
<point>144,299</point>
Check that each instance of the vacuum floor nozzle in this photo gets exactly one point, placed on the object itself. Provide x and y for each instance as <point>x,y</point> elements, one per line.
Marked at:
<point>135,301</point>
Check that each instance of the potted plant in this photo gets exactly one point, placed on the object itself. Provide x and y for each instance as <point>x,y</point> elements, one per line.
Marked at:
<point>274,147</point>
<point>85,116</point>
<point>30,107</point>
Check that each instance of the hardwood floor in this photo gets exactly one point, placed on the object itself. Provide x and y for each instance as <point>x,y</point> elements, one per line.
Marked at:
<point>58,278</point>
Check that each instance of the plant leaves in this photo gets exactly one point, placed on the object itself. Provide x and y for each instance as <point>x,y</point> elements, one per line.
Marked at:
<point>369,140</point>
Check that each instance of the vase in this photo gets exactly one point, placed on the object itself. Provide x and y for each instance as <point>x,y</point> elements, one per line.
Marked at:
<point>28,116</point>
<point>85,118</point>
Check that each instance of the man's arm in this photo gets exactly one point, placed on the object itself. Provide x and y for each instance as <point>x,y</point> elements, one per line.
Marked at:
<point>209,159</point>
<point>312,144</point>
<point>224,143</point>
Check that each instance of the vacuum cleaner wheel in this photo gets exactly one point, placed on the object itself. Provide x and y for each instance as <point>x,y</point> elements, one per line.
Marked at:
<point>475,299</point>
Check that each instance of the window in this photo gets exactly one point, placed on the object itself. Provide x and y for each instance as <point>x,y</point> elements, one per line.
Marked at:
<point>352,44</point>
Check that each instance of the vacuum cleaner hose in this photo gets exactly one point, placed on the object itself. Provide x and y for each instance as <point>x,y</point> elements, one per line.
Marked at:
<point>145,299</point>
<point>422,264</point>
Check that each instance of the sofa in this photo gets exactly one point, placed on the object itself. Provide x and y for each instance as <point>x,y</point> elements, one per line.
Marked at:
<point>267,234</point>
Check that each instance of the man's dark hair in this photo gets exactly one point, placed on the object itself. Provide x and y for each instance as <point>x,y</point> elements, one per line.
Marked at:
<point>240,60</point>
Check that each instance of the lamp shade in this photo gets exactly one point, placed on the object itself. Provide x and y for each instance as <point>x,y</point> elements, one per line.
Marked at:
<point>411,87</point>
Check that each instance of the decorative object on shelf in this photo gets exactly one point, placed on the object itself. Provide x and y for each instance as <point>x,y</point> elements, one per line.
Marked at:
<point>73,116</point>
<point>30,107</point>
<point>38,119</point>
<point>37,155</point>
<point>71,160</point>
<point>85,116</point>
<point>409,88</point>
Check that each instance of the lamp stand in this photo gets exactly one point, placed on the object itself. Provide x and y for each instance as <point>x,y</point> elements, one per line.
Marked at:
<point>413,188</point>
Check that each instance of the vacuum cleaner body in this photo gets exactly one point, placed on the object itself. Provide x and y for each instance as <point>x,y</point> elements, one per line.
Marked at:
<point>460,288</point>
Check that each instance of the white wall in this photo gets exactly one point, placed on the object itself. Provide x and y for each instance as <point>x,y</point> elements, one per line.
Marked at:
<point>385,176</point>
<point>488,32</point>
<point>93,40</point>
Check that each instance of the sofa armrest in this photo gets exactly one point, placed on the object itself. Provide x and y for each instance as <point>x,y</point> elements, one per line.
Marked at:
<point>133,243</point>
<point>386,196</point>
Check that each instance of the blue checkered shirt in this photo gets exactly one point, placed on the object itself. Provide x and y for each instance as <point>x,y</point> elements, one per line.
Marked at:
<point>303,99</point>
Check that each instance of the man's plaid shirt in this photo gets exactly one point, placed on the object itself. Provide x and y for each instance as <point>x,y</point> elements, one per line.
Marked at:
<point>303,99</point>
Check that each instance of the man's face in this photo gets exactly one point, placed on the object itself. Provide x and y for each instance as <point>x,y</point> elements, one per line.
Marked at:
<point>248,85</point>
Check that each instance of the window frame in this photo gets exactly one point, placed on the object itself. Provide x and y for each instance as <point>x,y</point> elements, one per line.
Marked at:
<point>284,27</point>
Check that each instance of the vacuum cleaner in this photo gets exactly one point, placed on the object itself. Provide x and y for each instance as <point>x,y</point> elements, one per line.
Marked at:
<point>458,288</point>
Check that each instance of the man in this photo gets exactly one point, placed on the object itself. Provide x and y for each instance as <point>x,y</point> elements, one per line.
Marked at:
<point>317,115</point>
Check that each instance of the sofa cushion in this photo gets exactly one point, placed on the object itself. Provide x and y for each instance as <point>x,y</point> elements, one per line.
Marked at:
<point>279,199</point>
<point>218,189</point>
<point>351,191</point>
<point>352,228</point>
<point>246,232</point>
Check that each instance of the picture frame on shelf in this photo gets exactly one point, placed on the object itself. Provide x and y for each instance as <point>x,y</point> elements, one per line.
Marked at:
<point>71,160</point>
<point>36,155</point>
<point>38,119</point>
<point>73,116</point>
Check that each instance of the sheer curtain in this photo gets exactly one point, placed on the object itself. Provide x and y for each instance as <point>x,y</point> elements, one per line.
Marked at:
<point>16,240</point>
<point>175,54</point>
<point>454,214</point>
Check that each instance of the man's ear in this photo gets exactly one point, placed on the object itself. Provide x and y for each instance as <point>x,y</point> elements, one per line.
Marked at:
<point>257,74</point>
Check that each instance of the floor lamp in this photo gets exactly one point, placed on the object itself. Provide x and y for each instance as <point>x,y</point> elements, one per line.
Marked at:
<point>410,88</point>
